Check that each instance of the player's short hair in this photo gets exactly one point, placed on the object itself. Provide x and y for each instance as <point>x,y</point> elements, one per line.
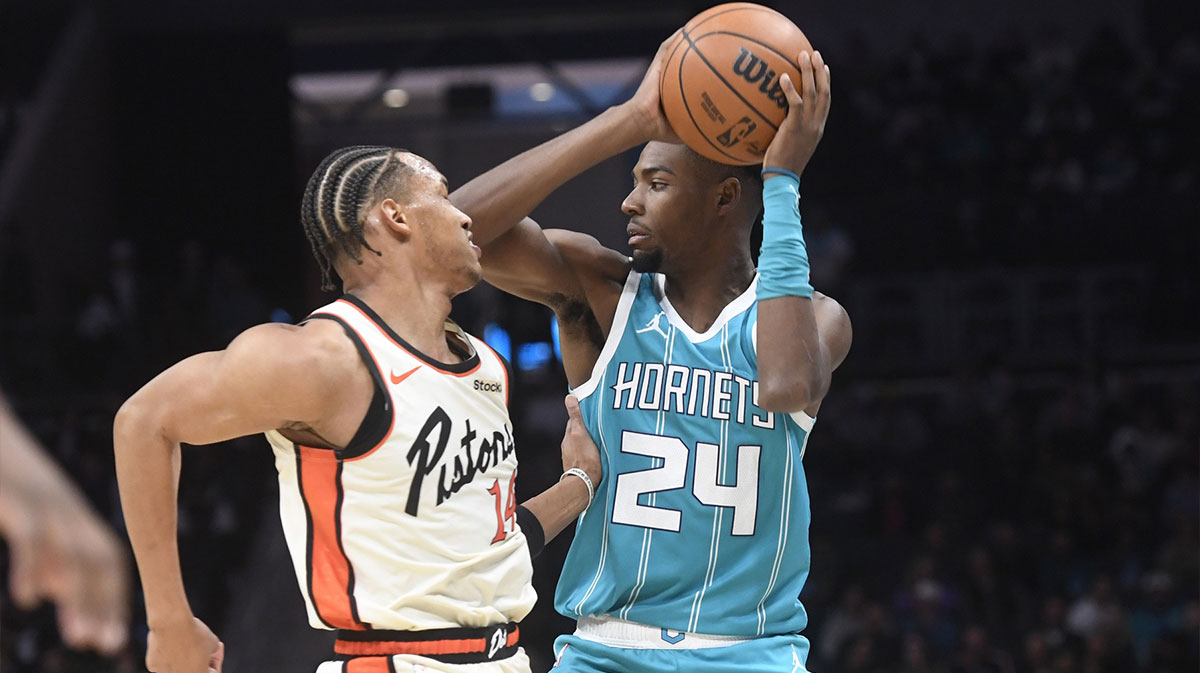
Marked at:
<point>750,177</point>
<point>346,182</point>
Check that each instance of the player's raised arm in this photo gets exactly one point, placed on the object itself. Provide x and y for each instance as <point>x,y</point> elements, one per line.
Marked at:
<point>501,197</point>
<point>271,376</point>
<point>796,352</point>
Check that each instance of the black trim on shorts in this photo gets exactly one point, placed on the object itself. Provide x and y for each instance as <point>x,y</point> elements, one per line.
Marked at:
<point>433,635</point>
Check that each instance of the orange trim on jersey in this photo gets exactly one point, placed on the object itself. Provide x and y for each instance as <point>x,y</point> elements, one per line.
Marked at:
<point>368,665</point>
<point>406,349</point>
<point>500,362</point>
<point>421,647</point>
<point>327,562</point>
<point>375,364</point>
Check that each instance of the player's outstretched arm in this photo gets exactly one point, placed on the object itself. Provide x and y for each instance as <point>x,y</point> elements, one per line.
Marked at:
<point>501,197</point>
<point>518,258</point>
<point>797,351</point>
<point>556,507</point>
<point>271,376</point>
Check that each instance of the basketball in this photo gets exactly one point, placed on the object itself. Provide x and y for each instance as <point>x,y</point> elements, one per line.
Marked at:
<point>720,86</point>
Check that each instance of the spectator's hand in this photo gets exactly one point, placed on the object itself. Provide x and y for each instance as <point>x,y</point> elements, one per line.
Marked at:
<point>647,104</point>
<point>61,551</point>
<point>59,548</point>
<point>187,646</point>
<point>808,109</point>
<point>578,449</point>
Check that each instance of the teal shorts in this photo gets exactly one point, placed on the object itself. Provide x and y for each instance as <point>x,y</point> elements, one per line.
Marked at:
<point>769,654</point>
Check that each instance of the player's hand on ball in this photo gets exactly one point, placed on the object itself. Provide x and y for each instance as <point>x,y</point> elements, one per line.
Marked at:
<point>578,449</point>
<point>646,102</point>
<point>808,108</point>
<point>184,647</point>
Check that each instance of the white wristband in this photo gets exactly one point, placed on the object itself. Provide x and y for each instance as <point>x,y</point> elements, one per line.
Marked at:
<point>587,481</point>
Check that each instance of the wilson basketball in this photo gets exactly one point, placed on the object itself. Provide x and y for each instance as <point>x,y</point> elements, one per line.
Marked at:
<point>720,85</point>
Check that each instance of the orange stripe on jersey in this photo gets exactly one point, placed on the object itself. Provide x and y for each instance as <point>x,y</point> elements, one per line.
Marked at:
<point>331,579</point>
<point>368,665</point>
<point>406,349</point>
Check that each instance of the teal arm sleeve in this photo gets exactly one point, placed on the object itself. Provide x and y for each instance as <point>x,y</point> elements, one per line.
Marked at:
<point>783,261</point>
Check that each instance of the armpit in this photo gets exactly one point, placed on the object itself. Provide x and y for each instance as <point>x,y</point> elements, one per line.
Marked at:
<point>576,316</point>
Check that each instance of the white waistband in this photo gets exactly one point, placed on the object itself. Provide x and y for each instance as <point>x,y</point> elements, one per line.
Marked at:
<point>620,633</point>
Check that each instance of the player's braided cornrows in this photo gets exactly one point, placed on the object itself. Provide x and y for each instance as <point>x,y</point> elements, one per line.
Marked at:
<point>346,181</point>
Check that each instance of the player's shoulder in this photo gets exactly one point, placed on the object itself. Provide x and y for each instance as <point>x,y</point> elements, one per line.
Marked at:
<point>601,273</point>
<point>316,348</point>
<point>833,321</point>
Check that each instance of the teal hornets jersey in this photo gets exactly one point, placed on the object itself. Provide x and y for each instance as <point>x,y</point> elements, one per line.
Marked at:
<point>701,521</point>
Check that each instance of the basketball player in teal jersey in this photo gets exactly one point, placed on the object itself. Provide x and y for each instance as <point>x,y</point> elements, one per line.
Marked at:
<point>699,377</point>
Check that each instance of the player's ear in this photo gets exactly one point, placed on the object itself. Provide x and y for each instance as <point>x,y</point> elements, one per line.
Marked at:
<point>390,215</point>
<point>729,193</point>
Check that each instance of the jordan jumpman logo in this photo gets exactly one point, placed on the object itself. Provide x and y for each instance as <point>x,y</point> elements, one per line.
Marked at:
<point>654,325</point>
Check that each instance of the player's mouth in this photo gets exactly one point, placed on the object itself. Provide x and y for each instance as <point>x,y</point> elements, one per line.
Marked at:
<point>637,235</point>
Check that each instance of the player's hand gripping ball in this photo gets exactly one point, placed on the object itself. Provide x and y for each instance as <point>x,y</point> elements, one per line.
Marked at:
<point>720,84</point>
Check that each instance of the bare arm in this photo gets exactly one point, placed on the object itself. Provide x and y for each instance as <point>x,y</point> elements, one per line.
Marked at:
<point>794,363</point>
<point>579,279</point>
<point>834,335</point>
<point>501,197</point>
<point>518,257</point>
<point>271,376</point>
<point>556,507</point>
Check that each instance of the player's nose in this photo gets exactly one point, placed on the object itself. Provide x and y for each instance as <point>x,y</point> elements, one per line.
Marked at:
<point>632,205</point>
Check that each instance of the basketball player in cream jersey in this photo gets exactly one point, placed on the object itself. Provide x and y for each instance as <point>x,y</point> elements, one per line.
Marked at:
<point>392,441</point>
<point>699,375</point>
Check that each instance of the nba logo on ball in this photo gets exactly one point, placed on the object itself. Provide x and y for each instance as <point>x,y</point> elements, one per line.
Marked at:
<point>720,85</point>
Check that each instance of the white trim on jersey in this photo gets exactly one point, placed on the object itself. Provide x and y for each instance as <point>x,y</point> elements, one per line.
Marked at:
<point>784,524</point>
<point>632,635</point>
<point>800,417</point>
<point>743,301</point>
<point>620,318</point>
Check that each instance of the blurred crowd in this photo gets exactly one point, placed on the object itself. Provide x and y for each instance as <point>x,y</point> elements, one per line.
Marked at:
<point>994,520</point>
<point>66,385</point>
<point>1030,153</point>
<point>1007,523</point>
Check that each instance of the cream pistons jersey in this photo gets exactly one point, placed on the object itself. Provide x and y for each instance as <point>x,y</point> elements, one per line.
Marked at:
<point>412,525</point>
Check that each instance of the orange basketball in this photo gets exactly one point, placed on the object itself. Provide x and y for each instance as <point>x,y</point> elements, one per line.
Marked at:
<point>720,85</point>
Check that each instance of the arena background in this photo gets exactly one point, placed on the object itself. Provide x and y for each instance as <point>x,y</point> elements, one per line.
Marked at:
<point>1007,201</point>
